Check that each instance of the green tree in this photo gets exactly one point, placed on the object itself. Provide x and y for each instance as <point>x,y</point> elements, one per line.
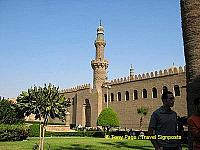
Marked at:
<point>10,113</point>
<point>43,102</point>
<point>107,119</point>
<point>143,112</point>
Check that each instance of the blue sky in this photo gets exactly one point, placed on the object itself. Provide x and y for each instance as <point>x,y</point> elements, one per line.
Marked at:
<point>43,41</point>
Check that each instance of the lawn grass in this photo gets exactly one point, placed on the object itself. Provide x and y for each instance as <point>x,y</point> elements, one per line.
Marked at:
<point>79,143</point>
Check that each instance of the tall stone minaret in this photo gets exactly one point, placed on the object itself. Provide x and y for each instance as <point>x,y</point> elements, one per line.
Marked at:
<point>99,64</point>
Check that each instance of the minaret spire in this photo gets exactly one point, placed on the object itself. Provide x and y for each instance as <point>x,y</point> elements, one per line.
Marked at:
<point>100,23</point>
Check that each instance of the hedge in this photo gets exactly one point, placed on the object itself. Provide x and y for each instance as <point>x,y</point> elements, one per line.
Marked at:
<point>49,123</point>
<point>79,133</point>
<point>35,127</point>
<point>35,131</point>
<point>13,132</point>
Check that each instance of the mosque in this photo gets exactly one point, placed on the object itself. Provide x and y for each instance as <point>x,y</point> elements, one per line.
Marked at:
<point>124,94</point>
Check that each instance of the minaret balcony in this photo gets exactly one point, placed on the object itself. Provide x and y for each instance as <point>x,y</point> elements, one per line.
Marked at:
<point>97,64</point>
<point>100,42</point>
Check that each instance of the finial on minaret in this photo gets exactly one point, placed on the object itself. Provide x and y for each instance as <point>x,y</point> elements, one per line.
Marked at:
<point>100,32</point>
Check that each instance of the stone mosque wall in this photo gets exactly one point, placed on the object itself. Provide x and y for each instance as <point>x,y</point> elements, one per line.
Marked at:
<point>136,91</point>
<point>139,92</point>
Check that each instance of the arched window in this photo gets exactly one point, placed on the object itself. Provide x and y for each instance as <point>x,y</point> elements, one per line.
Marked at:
<point>135,94</point>
<point>177,90</point>
<point>144,93</point>
<point>164,89</point>
<point>154,93</point>
<point>127,96</point>
<point>105,97</point>
<point>112,96</point>
<point>87,101</point>
<point>119,96</point>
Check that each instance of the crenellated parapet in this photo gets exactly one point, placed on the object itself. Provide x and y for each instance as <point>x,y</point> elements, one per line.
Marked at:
<point>76,88</point>
<point>155,74</point>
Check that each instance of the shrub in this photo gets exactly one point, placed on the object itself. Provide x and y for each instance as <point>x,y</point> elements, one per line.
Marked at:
<point>49,123</point>
<point>13,132</point>
<point>10,113</point>
<point>80,134</point>
<point>34,130</point>
<point>108,118</point>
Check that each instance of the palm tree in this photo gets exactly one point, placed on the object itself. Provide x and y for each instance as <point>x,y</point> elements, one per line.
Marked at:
<point>190,14</point>
<point>143,112</point>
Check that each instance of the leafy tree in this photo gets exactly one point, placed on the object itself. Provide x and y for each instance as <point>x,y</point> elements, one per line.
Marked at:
<point>43,102</point>
<point>143,112</point>
<point>107,119</point>
<point>10,113</point>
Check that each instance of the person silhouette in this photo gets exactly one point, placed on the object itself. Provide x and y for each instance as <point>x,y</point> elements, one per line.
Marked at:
<point>163,122</point>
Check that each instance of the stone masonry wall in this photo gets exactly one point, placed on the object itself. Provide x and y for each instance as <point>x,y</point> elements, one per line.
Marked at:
<point>127,110</point>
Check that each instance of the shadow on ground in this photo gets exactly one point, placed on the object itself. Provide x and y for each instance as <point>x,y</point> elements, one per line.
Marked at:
<point>93,147</point>
<point>125,145</point>
<point>76,147</point>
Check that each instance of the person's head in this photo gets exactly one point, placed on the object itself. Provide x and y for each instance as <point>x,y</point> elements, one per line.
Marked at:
<point>168,99</point>
<point>197,104</point>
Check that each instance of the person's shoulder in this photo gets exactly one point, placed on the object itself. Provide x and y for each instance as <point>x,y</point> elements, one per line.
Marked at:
<point>174,112</point>
<point>157,111</point>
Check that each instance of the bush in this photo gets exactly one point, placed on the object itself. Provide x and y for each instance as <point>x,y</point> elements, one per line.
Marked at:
<point>13,132</point>
<point>10,113</point>
<point>34,130</point>
<point>108,118</point>
<point>118,133</point>
<point>49,123</point>
<point>80,134</point>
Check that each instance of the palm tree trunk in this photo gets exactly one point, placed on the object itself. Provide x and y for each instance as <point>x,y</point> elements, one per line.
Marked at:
<point>141,120</point>
<point>190,13</point>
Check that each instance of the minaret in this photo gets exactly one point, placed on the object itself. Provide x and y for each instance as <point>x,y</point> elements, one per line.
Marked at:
<point>99,64</point>
<point>131,71</point>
